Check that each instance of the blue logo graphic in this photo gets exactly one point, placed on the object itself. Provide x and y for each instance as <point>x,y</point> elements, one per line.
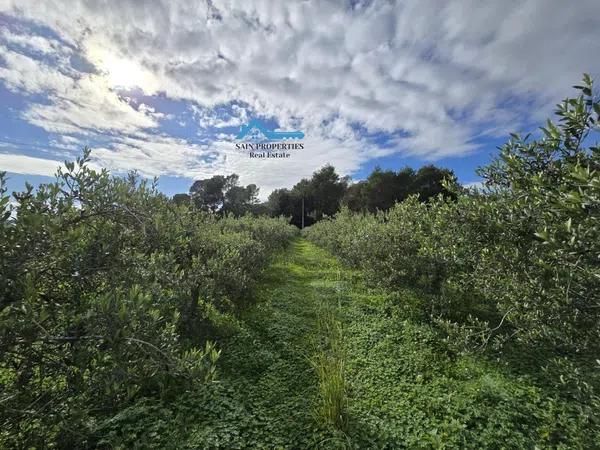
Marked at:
<point>256,131</point>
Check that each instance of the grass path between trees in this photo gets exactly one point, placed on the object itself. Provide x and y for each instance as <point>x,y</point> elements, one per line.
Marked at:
<point>322,361</point>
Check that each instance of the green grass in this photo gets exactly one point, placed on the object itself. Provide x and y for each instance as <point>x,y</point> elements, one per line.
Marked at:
<point>322,361</point>
<point>333,404</point>
<point>329,364</point>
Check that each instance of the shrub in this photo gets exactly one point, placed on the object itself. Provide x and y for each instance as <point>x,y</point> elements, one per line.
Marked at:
<point>518,260</point>
<point>105,290</point>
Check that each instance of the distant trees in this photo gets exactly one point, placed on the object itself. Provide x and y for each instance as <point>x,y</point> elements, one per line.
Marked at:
<point>221,194</point>
<point>322,194</point>
<point>382,189</point>
<point>181,199</point>
<point>285,202</point>
<point>239,199</point>
<point>327,189</point>
<point>428,182</point>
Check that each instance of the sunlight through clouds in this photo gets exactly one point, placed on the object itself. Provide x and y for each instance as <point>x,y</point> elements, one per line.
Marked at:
<point>121,72</point>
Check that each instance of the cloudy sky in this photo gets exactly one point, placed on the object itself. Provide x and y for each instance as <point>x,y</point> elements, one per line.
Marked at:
<point>163,86</point>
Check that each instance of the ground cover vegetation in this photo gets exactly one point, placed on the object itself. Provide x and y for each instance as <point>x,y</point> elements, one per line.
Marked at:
<point>324,360</point>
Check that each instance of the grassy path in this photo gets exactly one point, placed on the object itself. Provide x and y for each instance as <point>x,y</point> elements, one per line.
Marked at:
<point>270,361</point>
<point>405,388</point>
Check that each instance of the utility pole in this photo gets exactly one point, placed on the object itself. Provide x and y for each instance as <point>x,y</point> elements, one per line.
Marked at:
<point>303,212</point>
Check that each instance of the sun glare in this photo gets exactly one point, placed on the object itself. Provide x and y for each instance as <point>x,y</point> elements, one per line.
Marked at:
<point>124,73</point>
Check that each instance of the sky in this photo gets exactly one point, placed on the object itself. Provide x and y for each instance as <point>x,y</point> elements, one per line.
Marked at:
<point>162,87</point>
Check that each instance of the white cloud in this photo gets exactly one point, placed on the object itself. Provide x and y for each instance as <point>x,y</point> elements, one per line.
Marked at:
<point>474,185</point>
<point>437,76</point>
<point>38,44</point>
<point>22,73</point>
<point>154,155</point>
<point>90,106</point>
<point>76,104</point>
<point>15,163</point>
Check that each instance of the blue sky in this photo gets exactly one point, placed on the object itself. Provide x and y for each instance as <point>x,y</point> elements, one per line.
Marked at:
<point>162,87</point>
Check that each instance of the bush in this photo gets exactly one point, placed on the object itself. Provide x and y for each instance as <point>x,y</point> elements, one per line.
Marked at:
<point>106,291</point>
<point>518,260</point>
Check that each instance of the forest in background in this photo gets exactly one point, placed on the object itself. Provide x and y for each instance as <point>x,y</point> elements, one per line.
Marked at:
<point>321,195</point>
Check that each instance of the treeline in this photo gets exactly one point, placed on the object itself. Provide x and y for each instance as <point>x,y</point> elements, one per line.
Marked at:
<point>111,292</point>
<point>518,263</point>
<point>321,195</point>
<point>223,195</point>
<point>325,192</point>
